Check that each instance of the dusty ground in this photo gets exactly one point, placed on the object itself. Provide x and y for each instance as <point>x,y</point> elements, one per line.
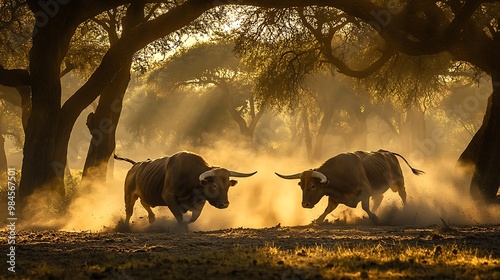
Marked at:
<point>302,252</point>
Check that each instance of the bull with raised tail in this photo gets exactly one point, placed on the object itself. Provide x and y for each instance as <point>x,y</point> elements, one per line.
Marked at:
<point>353,177</point>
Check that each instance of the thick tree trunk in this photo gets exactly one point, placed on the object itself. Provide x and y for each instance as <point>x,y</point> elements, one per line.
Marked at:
<point>25,92</point>
<point>469,156</point>
<point>43,158</point>
<point>102,125</point>
<point>40,168</point>
<point>486,178</point>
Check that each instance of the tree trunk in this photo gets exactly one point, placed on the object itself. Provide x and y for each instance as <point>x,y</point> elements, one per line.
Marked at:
<point>359,135</point>
<point>102,126</point>
<point>469,156</point>
<point>486,178</point>
<point>25,92</point>
<point>41,169</point>
<point>323,129</point>
<point>307,134</point>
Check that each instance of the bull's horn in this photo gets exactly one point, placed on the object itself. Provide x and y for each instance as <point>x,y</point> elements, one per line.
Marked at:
<point>293,176</point>
<point>209,173</point>
<point>320,176</point>
<point>239,174</point>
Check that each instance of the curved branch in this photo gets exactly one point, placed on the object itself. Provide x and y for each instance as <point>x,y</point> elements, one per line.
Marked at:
<point>346,70</point>
<point>14,77</point>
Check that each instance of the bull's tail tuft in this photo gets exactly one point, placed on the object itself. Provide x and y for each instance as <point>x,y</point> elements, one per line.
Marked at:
<point>414,170</point>
<point>124,159</point>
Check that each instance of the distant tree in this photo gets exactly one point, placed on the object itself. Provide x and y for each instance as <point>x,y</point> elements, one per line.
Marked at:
<point>10,127</point>
<point>213,64</point>
<point>176,118</point>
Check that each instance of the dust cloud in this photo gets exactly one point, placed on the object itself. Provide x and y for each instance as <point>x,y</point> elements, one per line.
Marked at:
<point>265,200</point>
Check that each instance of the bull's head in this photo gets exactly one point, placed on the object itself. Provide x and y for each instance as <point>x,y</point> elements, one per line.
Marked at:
<point>312,183</point>
<point>216,183</point>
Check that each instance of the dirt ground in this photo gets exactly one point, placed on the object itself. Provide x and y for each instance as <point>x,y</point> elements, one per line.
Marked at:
<point>301,252</point>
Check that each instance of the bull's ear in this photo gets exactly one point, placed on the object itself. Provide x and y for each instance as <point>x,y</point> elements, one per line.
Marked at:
<point>203,182</point>
<point>233,183</point>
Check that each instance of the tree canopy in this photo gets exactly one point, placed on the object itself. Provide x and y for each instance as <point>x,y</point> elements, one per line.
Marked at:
<point>453,32</point>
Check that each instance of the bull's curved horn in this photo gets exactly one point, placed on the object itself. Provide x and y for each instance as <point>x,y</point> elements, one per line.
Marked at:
<point>289,177</point>
<point>320,176</point>
<point>209,173</point>
<point>239,174</point>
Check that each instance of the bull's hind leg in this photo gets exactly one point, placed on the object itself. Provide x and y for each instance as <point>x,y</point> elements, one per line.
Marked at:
<point>129,206</point>
<point>151,215</point>
<point>377,199</point>
<point>332,204</point>
<point>399,186</point>
<point>365,204</point>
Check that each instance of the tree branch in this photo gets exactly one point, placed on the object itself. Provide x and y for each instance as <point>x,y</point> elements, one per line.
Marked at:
<point>434,45</point>
<point>14,77</point>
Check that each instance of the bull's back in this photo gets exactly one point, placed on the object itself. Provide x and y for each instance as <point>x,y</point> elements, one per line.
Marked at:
<point>344,171</point>
<point>382,169</point>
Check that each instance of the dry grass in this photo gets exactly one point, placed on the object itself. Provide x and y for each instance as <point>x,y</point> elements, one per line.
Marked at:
<point>384,261</point>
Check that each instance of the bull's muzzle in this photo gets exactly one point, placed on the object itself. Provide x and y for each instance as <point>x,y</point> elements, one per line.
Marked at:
<point>222,205</point>
<point>307,205</point>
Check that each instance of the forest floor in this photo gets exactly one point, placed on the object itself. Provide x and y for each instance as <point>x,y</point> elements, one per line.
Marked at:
<point>301,252</point>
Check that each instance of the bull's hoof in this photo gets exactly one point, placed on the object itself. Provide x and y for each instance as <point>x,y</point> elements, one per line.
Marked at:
<point>152,219</point>
<point>182,227</point>
<point>122,226</point>
<point>374,220</point>
<point>320,222</point>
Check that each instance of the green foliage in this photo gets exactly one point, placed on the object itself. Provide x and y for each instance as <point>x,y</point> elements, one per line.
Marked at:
<point>305,40</point>
<point>16,23</point>
<point>410,81</point>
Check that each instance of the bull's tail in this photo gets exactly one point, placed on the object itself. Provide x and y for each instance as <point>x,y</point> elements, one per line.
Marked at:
<point>414,170</point>
<point>124,159</point>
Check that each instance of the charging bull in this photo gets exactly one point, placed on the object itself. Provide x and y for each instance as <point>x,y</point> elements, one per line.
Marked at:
<point>183,182</point>
<point>353,177</point>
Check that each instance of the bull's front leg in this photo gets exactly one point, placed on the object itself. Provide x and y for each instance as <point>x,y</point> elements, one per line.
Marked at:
<point>332,204</point>
<point>365,204</point>
<point>173,205</point>
<point>377,199</point>
<point>196,211</point>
